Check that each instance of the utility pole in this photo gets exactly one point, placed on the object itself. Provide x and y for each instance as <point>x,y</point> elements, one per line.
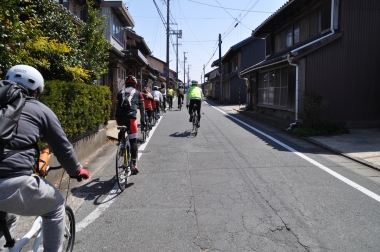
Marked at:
<point>167,71</point>
<point>178,34</point>
<point>204,79</point>
<point>220,68</point>
<point>188,75</point>
<point>184,68</point>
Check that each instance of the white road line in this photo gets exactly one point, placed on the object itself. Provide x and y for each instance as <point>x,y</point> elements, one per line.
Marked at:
<point>331,172</point>
<point>111,195</point>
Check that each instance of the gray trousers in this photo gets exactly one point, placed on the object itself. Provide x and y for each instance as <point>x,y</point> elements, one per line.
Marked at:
<point>33,196</point>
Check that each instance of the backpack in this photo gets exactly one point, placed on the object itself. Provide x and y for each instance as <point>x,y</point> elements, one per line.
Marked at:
<point>12,100</point>
<point>126,97</point>
<point>181,91</point>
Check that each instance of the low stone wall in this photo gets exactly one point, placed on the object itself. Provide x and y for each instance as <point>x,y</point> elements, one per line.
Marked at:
<point>83,149</point>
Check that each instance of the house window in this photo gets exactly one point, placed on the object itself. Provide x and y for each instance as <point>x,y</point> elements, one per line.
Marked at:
<point>263,88</point>
<point>284,39</point>
<point>273,87</point>
<point>289,36</point>
<point>234,64</point>
<point>315,23</point>
<point>301,30</point>
<point>117,30</point>
<point>65,3</point>
<point>309,26</point>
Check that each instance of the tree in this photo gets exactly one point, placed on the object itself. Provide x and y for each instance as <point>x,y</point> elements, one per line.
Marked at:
<point>59,46</point>
<point>14,30</point>
<point>95,47</point>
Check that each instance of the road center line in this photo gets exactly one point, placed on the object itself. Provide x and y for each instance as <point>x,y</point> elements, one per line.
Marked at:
<point>331,172</point>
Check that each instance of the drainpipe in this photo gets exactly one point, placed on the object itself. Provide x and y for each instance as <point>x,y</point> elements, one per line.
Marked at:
<point>247,84</point>
<point>296,119</point>
<point>334,3</point>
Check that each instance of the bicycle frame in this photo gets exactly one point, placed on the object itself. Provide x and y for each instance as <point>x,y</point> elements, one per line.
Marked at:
<point>123,160</point>
<point>36,229</point>
<point>195,119</point>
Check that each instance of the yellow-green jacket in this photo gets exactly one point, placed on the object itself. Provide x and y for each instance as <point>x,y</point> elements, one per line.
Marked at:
<point>170,92</point>
<point>194,93</point>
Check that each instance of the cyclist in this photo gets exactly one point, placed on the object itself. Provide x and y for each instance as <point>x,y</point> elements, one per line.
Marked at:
<point>148,100</point>
<point>181,92</point>
<point>170,95</point>
<point>157,96</point>
<point>195,96</point>
<point>21,192</point>
<point>128,100</point>
<point>163,92</point>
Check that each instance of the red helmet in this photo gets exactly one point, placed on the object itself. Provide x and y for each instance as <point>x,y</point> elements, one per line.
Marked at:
<point>130,80</point>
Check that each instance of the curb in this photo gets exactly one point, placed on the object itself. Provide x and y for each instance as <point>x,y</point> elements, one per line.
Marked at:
<point>277,125</point>
<point>361,161</point>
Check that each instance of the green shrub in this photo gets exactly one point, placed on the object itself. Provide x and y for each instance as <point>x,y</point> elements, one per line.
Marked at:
<point>311,114</point>
<point>313,122</point>
<point>324,128</point>
<point>79,107</point>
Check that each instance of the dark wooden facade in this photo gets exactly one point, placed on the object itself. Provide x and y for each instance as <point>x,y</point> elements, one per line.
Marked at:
<point>345,71</point>
<point>339,63</point>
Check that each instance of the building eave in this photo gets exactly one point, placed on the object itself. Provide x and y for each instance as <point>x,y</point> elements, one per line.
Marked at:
<point>122,12</point>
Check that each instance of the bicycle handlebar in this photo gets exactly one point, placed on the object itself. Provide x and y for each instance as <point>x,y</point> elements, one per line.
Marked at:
<point>79,178</point>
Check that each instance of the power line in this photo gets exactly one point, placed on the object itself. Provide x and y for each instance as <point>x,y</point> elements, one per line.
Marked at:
<point>192,30</point>
<point>159,12</point>
<point>230,29</point>
<point>211,18</point>
<point>228,8</point>
<point>212,40</point>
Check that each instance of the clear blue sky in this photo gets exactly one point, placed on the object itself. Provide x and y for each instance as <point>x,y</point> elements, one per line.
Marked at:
<point>201,22</point>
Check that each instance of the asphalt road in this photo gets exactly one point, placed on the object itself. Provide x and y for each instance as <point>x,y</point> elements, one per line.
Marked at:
<point>239,185</point>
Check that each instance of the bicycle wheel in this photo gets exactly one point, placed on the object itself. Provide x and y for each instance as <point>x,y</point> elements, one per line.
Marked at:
<point>144,133</point>
<point>147,126</point>
<point>128,162</point>
<point>154,119</point>
<point>69,236</point>
<point>194,122</point>
<point>121,157</point>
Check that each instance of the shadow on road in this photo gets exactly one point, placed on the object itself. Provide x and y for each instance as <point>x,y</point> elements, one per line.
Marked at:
<point>186,134</point>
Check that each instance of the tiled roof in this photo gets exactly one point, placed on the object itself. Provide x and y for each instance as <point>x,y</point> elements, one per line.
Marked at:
<point>233,73</point>
<point>254,33</point>
<point>279,56</point>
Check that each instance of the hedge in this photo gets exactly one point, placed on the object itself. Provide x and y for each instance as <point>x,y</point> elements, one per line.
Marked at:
<point>79,107</point>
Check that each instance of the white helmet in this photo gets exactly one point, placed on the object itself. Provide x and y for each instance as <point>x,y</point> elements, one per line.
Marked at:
<point>27,76</point>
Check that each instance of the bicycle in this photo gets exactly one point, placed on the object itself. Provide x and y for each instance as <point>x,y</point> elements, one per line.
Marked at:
<point>170,102</point>
<point>163,108</point>
<point>123,159</point>
<point>195,119</point>
<point>36,229</point>
<point>179,103</point>
<point>146,129</point>
<point>154,117</point>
